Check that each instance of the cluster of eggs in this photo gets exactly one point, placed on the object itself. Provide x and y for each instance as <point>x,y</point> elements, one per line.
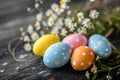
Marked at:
<point>75,47</point>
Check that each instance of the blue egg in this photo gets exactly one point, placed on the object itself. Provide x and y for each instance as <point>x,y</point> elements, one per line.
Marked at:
<point>57,55</point>
<point>100,45</point>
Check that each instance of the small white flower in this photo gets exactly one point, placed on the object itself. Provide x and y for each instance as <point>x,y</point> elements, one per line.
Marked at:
<point>30,29</point>
<point>64,32</point>
<point>86,22</point>
<point>83,30</point>
<point>65,1</point>
<point>37,5</point>
<point>23,34</point>
<point>21,29</point>
<point>55,7</point>
<point>37,25</point>
<point>80,16</point>
<point>34,36</point>
<point>92,0</point>
<point>29,9</point>
<point>44,23</point>
<point>109,77</point>
<point>49,12</point>
<point>94,69</point>
<point>42,32</point>
<point>63,7</point>
<point>93,14</point>
<point>39,17</point>
<point>69,12</point>
<point>26,38</point>
<point>54,16</point>
<point>27,47</point>
<point>50,22</point>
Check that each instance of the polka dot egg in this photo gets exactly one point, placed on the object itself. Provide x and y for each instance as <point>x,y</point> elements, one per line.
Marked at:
<point>57,55</point>
<point>43,43</point>
<point>75,40</point>
<point>82,58</point>
<point>100,45</point>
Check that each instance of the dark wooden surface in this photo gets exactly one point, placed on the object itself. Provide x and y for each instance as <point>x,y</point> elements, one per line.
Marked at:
<point>13,15</point>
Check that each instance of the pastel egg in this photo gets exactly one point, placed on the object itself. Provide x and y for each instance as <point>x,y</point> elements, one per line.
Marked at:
<point>43,43</point>
<point>82,58</point>
<point>75,40</point>
<point>100,45</point>
<point>57,55</point>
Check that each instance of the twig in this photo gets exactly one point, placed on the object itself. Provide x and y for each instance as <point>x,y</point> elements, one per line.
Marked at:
<point>12,51</point>
<point>108,34</point>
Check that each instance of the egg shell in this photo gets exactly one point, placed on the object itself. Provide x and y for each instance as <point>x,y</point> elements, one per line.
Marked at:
<point>75,40</point>
<point>100,45</point>
<point>57,55</point>
<point>82,58</point>
<point>43,43</point>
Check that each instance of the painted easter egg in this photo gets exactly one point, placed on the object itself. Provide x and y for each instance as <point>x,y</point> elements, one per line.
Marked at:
<point>82,58</point>
<point>57,55</point>
<point>75,40</point>
<point>43,43</point>
<point>100,45</point>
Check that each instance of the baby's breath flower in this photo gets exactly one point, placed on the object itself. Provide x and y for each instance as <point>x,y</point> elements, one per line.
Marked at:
<point>49,12</point>
<point>55,7</point>
<point>67,22</point>
<point>21,29</point>
<point>87,75</point>
<point>64,32</point>
<point>94,69</point>
<point>80,16</point>
<point>27,47</point>
<point>26,38</point>
<point>30,29</point>
<point>93,14</point>
<point>23,34</point>
<point>44,23</point>
<point>28,9</point>
<point>69,12</point>
<point>39,16</point>
<point>37,5</point>
<point>34,36</point>
<point>86,22</point>
<point>50,21</point>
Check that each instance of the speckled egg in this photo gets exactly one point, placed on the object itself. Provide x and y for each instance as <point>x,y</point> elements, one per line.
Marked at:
<point>43,43</point>
<point>100,45</point>
<point>57,55</point>
<point>75,40</point>
<point>82,58</point>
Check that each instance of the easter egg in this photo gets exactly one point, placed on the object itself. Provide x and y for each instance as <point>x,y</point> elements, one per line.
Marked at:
<point>57,55</point>
<point>75,40</point>
<point>43,43</point>
<point>100,45</point>
<point>82,58</point>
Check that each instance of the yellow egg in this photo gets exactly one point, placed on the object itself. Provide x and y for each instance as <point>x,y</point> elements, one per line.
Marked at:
<point>43,43</point>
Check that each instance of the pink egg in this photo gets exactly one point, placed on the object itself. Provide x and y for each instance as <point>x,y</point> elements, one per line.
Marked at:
<point>75,40</point>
